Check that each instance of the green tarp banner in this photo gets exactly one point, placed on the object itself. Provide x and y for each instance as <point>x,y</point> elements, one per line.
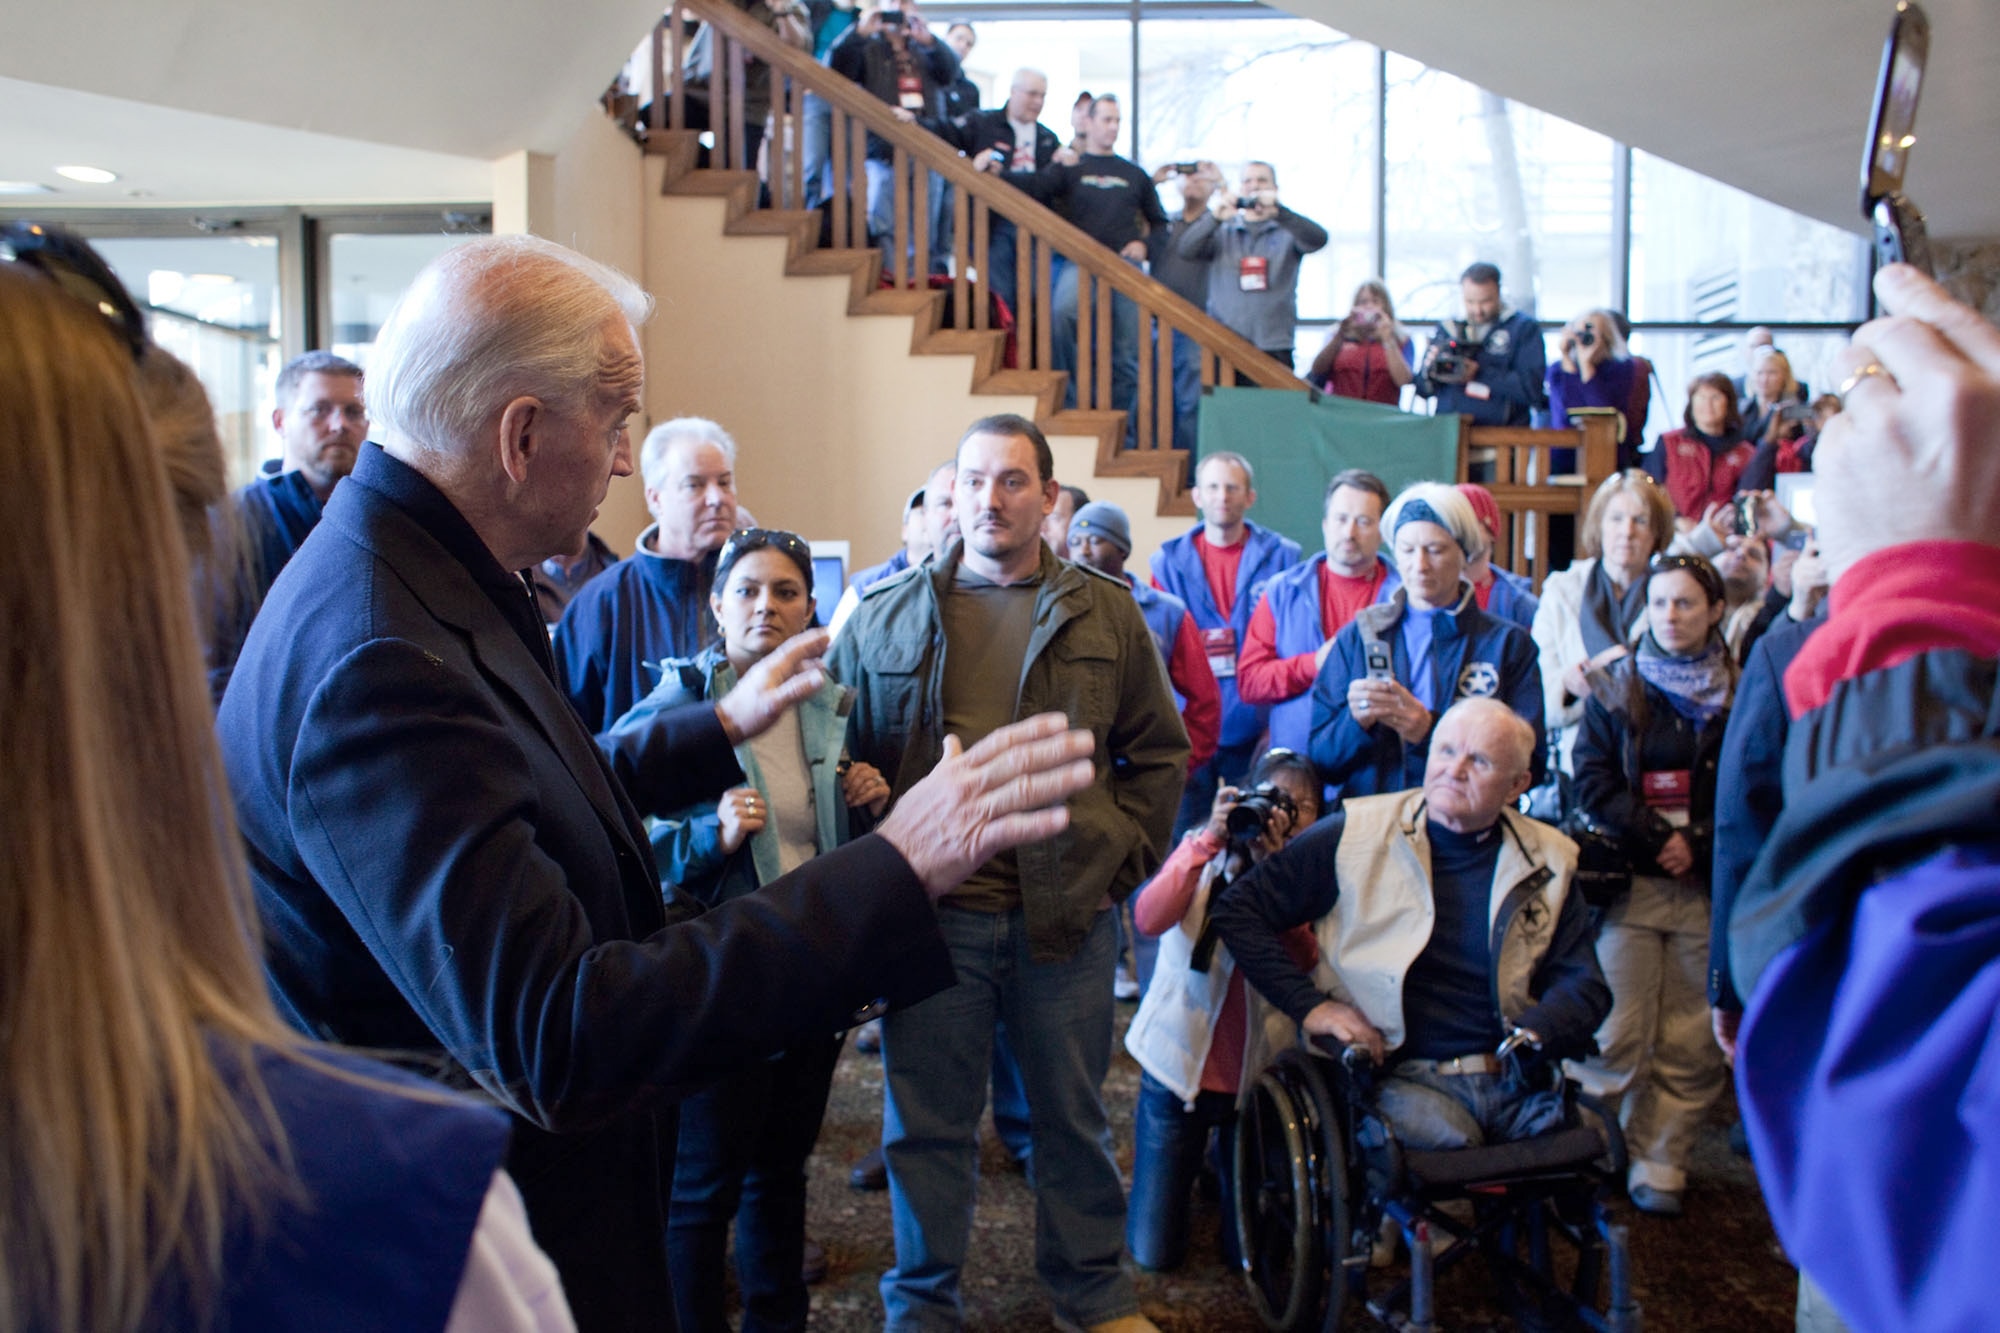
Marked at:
<point>1296,445</point>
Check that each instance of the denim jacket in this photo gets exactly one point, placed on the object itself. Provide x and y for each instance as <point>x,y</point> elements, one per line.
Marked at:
<point>1091,658</point>
<point>688,844</point>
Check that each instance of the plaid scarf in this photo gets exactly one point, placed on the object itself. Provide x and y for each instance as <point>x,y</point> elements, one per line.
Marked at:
<point>1699,686</point>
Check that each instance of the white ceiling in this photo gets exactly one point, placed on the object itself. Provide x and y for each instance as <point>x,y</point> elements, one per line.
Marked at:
<point>199,101</point>
<point>1771,96</point>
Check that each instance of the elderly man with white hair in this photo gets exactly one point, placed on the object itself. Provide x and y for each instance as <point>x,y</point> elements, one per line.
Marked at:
<point>1402,662</point>
<point>653,605</point>
<point>450,867</point>
<point>1431,905</point>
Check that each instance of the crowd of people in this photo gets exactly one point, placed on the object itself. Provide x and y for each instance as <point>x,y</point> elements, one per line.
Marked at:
<point>611,853</point>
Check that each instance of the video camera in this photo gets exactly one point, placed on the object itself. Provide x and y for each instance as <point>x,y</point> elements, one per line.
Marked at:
<point>1449,359</point>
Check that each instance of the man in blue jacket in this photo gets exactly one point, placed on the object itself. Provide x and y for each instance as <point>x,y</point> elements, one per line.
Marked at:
<point>653,605</point>
<point>322,420</point>
<point>1491,365</point>
<point>1401,663</point>
<point>449,866</point>
<point>1216,568</point>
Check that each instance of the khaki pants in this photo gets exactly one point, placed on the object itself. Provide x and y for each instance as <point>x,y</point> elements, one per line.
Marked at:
<point>1658,1063</point>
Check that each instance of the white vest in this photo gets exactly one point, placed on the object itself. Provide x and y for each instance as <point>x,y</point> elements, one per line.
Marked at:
<point>1385,912</point>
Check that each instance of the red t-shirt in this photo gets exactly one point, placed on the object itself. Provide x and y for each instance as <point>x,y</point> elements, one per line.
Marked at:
<point>1220,564</point>
<point>1342,598</point>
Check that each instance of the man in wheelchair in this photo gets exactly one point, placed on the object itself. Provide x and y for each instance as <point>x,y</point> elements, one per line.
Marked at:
<point>1458,972</point>
<point>1451,934</point>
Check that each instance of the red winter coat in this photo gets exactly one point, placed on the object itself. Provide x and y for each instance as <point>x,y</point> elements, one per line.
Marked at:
<point>1695,475</point>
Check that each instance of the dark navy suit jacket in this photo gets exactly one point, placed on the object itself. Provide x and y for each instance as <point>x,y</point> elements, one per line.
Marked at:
<point>448,865</point>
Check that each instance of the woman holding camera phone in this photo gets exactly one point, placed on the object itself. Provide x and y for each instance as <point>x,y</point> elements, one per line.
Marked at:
<point>1368,354</point>
<point>1200,1035</point>
<point>745,1140</point>
<point>1645,772</point>
<point>1595,369</point>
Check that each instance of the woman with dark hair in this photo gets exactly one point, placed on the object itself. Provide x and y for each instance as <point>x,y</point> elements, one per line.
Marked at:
<point>173,1155</point>
<point>1368,354</point>
<point>1645,774</point>
<point>1587,612</point>
<point>1701,463</point>
<point>1200,1036</point>
<point>745,1140</point>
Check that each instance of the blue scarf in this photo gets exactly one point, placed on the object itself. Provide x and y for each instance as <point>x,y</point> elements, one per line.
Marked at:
<point>1698,686</point>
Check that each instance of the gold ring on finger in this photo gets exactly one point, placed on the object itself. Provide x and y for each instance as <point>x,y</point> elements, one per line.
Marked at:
<point>1873,368</point>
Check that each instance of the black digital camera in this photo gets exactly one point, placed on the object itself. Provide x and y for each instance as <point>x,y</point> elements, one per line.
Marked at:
<point>1586,337</point>
<point>1251,815</point>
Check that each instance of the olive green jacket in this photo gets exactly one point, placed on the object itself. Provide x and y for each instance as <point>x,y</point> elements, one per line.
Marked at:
<point>1089,657</point>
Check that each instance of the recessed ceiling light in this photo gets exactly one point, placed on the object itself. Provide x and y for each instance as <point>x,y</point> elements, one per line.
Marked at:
<point>88,175</point>
<point>24,187</point>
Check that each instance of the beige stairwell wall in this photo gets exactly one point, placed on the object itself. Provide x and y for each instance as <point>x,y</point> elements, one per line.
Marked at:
<point>835,418</point>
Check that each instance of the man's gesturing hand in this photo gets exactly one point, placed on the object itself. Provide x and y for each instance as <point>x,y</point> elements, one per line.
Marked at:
<point>1004,791</point>
<point>789,675</point>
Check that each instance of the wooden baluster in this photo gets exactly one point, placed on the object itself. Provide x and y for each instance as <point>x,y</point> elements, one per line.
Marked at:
<point>1103,376</point>
<point>837,160</point>
<point>920,224</point>
<point>1166,411</point>
<point>961,251</point>
<point>899,188</point>
<point>1145,379</point>
<point>1210,367</point>
<point>796,150</point>
<point>1043,307</point>
<point>982,254</point>
<point>1027,316</point>
<point>739,120</point>
<point>857,185</point>
<point>656,113</point>
<point>677,48</point>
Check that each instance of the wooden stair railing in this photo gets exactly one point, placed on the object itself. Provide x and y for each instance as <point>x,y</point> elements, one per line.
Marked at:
<point>1524,488</point>
<point>1040,234</point>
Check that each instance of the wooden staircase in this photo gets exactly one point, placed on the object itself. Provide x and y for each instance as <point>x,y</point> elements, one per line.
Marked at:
<point>924,307</point>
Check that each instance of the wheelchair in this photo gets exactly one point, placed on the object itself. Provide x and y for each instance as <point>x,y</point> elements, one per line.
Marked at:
<point>1318,1172</point>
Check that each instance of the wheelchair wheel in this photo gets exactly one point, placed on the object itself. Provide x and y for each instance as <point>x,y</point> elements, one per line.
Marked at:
<point>1291,1199</point>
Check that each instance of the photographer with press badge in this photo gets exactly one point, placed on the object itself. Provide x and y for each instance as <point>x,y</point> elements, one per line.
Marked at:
<point>1489,365</point>
<point>1199,1035</point>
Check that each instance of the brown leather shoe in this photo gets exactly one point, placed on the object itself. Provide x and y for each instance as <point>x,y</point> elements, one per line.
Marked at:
<point>870,1173</point>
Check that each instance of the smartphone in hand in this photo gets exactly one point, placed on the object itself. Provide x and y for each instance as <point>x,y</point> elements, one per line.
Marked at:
<point>1900,234</point>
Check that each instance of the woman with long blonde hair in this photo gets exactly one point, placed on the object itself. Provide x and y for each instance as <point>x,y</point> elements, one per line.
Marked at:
<point>171,1155</point>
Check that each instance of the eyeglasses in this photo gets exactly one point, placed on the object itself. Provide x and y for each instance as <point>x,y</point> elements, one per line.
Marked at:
<point>68,261</point>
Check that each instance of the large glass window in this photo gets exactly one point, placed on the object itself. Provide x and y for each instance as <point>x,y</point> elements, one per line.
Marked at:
<point>366,275</point>
<point>1473,176</point>
<point>1296,94</point>
<point>1078,55</point>
<point>1679,355</point>
<point>1704,251</point>
<point>214,302</point>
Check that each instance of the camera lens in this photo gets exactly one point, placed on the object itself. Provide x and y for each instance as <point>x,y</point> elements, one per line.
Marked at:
<point>1586,337</point>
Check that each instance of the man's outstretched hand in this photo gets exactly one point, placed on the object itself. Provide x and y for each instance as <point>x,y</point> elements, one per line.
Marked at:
<point>789,675</point>
<point>1004,791</point>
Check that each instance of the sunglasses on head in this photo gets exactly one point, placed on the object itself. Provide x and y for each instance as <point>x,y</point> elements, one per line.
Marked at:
<point>68,261</point>
<point>745,540</point>
<point>1703,572</point>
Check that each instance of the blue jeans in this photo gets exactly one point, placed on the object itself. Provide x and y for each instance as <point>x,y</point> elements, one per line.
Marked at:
<point>1433,1112</point>
<point>936,1056</point>
<point>1187,395</point>
<point>1168,1142</point>
<point>1072,349</point>
<point>742,1154</point>
<point>816,153</point>
<point>882,214</point>
<point>1010,1100</point>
